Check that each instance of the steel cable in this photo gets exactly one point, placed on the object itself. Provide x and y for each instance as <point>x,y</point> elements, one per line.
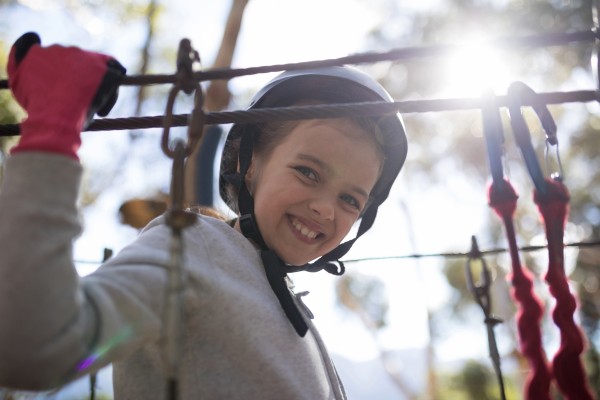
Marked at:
<point>321,111</point>
<point>532,41</point>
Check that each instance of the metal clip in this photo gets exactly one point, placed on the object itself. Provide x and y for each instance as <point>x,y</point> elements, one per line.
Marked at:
<point>481,292</point>
<point>186,57</point>
<point>558,173</point>
<point>519,94</point>
<point>479,288</point>
<point>176,217</point>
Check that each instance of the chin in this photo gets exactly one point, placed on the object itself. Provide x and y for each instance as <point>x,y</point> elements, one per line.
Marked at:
<point>291,256</point>
<point>299,260</point>
<point>295,261</point>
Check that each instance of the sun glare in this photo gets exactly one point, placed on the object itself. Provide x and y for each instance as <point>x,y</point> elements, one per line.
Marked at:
<point>473,68</point>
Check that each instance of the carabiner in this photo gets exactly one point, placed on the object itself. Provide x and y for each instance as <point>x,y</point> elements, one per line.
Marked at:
<point>519,95</point>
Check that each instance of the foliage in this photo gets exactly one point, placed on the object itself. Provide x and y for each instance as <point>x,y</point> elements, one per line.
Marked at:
<point>452,142</point>
<point>10,111</point>
<point>366,296</point>
<point>474,381</point>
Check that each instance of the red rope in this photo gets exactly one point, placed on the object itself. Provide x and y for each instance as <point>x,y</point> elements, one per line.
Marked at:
<point>567,367</point>
<point>503,200</point>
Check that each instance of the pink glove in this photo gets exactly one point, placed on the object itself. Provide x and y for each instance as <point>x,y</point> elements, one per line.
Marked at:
<point>61,88</point>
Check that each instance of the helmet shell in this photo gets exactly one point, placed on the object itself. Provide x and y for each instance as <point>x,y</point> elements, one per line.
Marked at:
<point>328,85</point>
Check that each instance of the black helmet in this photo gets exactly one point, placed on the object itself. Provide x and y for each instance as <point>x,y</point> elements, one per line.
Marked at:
<point>328,85</point>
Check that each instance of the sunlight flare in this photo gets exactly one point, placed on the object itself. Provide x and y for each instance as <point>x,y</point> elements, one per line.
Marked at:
<point>473,68</point>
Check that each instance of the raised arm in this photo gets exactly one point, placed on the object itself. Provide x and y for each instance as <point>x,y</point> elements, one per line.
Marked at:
<point>43,311</point>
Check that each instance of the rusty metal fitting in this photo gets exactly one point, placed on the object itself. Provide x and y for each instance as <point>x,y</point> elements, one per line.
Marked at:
<point>186,58</point>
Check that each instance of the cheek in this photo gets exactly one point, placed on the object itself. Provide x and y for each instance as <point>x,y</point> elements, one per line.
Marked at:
<point>345,224</point>
<point>266,194</point>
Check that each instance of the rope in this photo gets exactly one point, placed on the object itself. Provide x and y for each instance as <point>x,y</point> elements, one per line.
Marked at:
<point>450,255</point>
<point>547,40</point>
<point>524,42</point>
<point>466,255</point>
<point>320,111</point>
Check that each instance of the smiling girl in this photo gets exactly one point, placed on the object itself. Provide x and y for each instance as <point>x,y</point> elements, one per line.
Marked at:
<point>298,188</point>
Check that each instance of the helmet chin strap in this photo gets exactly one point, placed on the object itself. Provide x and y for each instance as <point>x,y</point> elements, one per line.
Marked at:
<point>247,220</point>
<point>274,267</point>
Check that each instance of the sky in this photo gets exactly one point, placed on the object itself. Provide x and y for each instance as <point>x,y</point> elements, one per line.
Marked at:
<point>276,32</point>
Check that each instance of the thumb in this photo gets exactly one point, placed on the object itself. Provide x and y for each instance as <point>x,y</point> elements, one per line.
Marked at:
<point>107,93</point>
<point>23,44</point>
<point>20,49</point>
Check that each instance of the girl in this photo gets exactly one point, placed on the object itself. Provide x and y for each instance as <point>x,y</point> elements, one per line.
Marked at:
<point>298,188</point>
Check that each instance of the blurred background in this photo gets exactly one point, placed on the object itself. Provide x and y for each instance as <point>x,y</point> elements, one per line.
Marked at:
<point>401,323</point>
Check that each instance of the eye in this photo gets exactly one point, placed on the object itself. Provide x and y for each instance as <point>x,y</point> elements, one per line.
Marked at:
<point>352,201</point>
<point>307,172</point>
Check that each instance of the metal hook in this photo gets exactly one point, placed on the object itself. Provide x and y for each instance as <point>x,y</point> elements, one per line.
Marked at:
<point>186,57</point>
<point>519,94</point>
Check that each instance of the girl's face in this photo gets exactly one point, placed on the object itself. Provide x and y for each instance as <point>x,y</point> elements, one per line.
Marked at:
<point>310,189</point>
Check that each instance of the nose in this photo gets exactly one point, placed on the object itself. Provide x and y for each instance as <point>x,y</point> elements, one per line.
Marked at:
<point>323,207</point>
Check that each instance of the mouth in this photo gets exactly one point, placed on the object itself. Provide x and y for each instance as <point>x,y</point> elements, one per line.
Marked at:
<point>304,230</point>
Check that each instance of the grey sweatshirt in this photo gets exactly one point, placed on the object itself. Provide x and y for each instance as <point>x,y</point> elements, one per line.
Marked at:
<point>56,327</point>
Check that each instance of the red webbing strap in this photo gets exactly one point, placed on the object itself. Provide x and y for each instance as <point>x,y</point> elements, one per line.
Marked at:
<point>503,200</point>
<point>567,367</point>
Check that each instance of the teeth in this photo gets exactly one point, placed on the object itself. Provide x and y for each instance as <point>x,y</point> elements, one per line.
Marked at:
<point>304,230</point>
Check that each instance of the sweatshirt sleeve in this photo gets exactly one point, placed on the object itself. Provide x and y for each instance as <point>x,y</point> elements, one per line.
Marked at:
<point>54,326</point>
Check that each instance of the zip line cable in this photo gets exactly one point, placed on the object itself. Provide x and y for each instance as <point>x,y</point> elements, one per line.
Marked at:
<point>507,42</point>
<point>322,110</point>
<point>447,255</point>
<point>595,243</point>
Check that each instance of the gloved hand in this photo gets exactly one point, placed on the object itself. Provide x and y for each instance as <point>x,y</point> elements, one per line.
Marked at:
<point>61,88</point>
